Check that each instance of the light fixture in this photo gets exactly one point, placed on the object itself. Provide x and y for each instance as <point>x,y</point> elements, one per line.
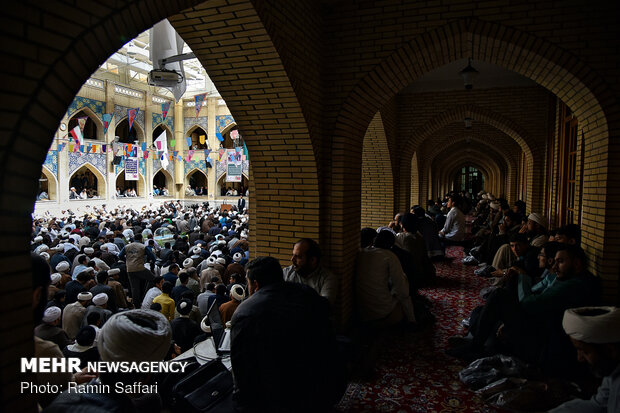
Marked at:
<point>467,123</point>
<point>469,74</point>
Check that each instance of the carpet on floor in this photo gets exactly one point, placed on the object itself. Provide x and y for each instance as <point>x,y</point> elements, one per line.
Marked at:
<point>413,372</point>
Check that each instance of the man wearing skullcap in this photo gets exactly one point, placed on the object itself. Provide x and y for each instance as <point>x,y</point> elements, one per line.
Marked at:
<point>184,330</point>
<point>74,313</point>
<point>49,329</point>
<point>595,333</point>
<point>132,336</point>
<point>100,302</point>
<point>120,298</point>
<point>55,282</point>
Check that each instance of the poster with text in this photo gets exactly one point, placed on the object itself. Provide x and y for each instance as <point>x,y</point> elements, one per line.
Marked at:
<point>131,169</point>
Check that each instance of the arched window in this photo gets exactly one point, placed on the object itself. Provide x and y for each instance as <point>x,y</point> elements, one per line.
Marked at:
<point>161,182</point>
<point>129,136</point>
<point>195,133</point>
<point>197,183</point>
<point>230,188</point>
<point>128,189</point>
<point>47,186</point>
<point>86,183</point>
<point>91,130</point>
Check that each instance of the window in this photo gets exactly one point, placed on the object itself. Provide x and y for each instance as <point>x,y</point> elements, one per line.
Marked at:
<point>567,167</point>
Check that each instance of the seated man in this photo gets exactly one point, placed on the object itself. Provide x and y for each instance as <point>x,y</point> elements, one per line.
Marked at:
<point>307,269</point>
<point>454,227</point>
<point>595,333</point>
<point>532,325</point>
<point>270,331</point>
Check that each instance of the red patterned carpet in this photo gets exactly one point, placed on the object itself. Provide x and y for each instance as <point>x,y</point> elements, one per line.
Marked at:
<point>414,373</point>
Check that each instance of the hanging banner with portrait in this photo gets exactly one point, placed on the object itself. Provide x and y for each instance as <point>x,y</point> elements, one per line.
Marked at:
<point>233,166</point>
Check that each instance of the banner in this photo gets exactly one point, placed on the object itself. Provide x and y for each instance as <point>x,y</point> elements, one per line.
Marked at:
<point>234,166</point>
<point>189,142</point>
<point>199,99</point>
<point>132,114</point>
<point>107,118</point>
<point>234,134</point>
<point>219,136</point>
<point>161,143</point>
<point>165,107</point>
<point>202,139</point>
<point>131,169</point>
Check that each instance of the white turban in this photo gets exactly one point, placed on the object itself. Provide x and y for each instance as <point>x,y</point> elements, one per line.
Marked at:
<point>100,299</point>
<point>221,261</point>
<point>128,233</point>
<point>89,250</point>
<point>188,263</point>
<point>55,278</point>
<point>539,219</point>
<point>210,262</point>
<point>595,325</point>
<point>85,296</point>
<point>45,256</point>
<point>62,266</point>
<point>51,314</point>
<point>135,335</point>
<point>238,292</point>
<point>196,250</point>
<point>237,257</point>
<point>114,271</point>
<point>101,264</point>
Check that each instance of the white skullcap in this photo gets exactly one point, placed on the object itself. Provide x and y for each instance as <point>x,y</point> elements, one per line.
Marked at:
<point>595,325</point>
<point>196,228</point>
<point>196,250</point>
<point>221,261</point>
<point>38,238</point>
<point>62,266</point>
<point>218,236</point>
<point>84,296</point>
<point>211,262</point>
<point>204,326</point>
<point>238,292</point>
<point>100,299</point>
<point>51,314</point>
<point>188,263</point>
<point>44,230</point>
<point>216,253</point>
<point>41,248</point>
<point>89,251</point>
<point>128,233</point>
<point>539,219</point>
<point>45,256</point>
<point>237,257</point>
<point>135,335</point>
<point>56,277</point>
<point>114,271</point>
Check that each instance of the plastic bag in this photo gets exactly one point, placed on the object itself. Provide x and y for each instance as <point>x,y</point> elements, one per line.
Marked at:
<point>487,370</point>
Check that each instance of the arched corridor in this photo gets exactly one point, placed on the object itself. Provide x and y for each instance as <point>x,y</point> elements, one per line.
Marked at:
<point>305,81</point>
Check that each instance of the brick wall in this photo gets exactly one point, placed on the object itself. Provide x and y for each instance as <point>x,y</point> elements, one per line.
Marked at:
<point>377,183</point>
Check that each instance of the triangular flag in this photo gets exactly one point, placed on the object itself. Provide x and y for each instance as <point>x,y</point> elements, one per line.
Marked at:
<point>81,148</point>
<point>219,136</point>
<point>170,157</point>
<point>158,144</point>
<point>103,148</point>
<point>221,153</point>
<point>107,119</point>
<point>146,154</point>
<point>70,147</point>
<point>202,139</point>
<point>95,147</point>
<point>77,135</point>
<point>189,155</point>
<point>199,99</point>
<point>132,114</point>
<point>143,146</point>
<point>165,107</point>
<point>82,122</point>
<point>173,142</point>
<point>189,142</point>
<point>88,148</point>
<point>207,152</point>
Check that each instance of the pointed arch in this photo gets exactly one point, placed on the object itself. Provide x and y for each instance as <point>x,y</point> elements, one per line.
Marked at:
<point>168,181</point>
<point>221,184</point>
<point>52,184</point>
<point>140,184</point>
<point>140,135</point>
<point>199,181</point>
<point>92,116</point>
<point>101,179</point>
<point>193,133</point>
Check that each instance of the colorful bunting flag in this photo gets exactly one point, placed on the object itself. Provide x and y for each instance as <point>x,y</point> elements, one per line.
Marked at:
<point>132,114</point>
<point>173,142</point>
<point>165,107</point>
<point>189,155</point>
<point>189,142</point>
<point>82,122</point>
<point>107,119</point>
<point>234,134</point>
<point>199,99</point>
<point>103,148</point>
<point>71,147</point>
<point>222,152</point>
<point>219,136</point>
<point>207,152</point>
<point>202,139</point>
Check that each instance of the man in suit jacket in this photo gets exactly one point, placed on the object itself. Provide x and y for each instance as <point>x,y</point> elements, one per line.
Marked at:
<point>241,204</point>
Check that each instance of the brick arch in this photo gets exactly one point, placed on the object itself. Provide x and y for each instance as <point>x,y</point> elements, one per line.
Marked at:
<point>140,134</point>
<point>499,145</point>
<point>415,195</point>
<point>486,173</point>
<point>53,190</point>
<point>228,127</point>
<point>102,182</point>
<point>444,165</point>
<point>501,123</point>
<point>269,120</point>
<point>377,181</point>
